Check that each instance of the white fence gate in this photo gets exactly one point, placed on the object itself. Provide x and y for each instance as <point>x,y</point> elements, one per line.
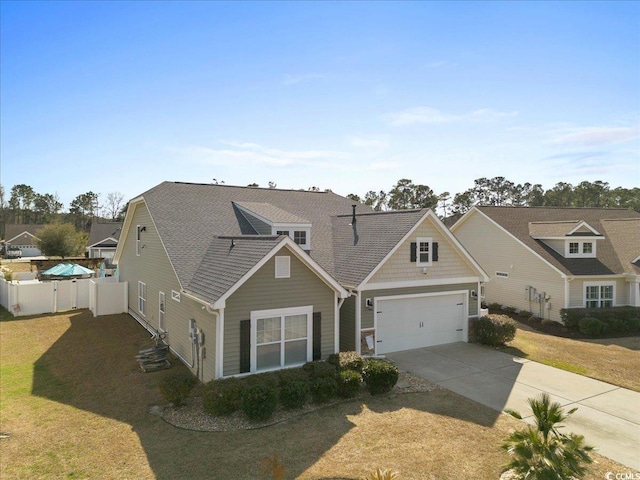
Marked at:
<point>104,296</point>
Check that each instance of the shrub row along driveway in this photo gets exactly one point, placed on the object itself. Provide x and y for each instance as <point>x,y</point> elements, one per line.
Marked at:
<point>76,405</point>
<point>608,416</point>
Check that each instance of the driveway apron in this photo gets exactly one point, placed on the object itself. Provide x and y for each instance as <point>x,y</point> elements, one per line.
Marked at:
<point>608,416</point>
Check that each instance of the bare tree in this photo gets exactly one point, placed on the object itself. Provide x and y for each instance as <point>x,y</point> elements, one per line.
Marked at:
<point>115,202</point>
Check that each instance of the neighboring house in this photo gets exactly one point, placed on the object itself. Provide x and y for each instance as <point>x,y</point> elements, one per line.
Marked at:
<point>241,280</point>
<point>103,240</point>
<point>544,259</point>
<point>24,237</point>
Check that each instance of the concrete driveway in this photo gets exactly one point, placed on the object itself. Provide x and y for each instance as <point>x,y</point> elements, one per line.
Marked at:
<point>607,416</point>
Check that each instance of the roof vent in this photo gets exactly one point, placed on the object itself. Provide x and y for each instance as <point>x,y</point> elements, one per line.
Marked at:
<point>353,215</point>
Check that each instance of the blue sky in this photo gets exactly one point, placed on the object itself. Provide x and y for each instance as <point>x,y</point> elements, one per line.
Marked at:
<point>119,96</point>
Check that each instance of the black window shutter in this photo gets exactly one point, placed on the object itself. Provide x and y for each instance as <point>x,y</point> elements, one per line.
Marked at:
<point>414,251</point>
<point>245,346</point>
<point>317,336</point>
<point>434,255</point>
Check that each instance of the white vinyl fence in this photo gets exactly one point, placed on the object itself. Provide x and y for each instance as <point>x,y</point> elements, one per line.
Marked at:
<point>104,296</point>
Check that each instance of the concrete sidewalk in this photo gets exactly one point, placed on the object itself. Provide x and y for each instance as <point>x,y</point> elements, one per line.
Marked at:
<point>607,416</point>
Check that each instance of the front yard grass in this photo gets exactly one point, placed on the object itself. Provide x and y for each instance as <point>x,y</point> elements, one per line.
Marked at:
<point>611,360</point>
<point>74,404</point>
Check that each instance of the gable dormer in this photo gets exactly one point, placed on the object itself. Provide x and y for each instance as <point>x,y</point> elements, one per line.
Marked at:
<point>571,239</point>
<point>267,219</point>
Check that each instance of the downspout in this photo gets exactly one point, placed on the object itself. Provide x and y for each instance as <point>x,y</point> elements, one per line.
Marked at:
<point>358,321</point>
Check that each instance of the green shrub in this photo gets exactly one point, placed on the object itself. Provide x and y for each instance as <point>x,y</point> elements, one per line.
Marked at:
<point>223,397</point>
<point>259,401</point>
<point>349,383</point>
<point>324,389</point>
<point>294,393</point>
<point>347,361</point>
<point>319,369</point>
<point>509,310</point>
<point>615,325</point>
<point>628,315</point>
<point>379,375</point>
<point>494,307</point>
<point>526,314</point>
<point>176,386</point>
<point>266,378</point>
<point>494,330</point>
<point>293,374</point>
<point>592,326</point>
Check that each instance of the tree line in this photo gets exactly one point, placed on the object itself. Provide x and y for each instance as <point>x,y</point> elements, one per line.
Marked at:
<point>26,206</point>
<point>500,192</point>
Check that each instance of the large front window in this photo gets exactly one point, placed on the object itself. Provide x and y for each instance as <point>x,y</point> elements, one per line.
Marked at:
<point>282,338</point>
<point>599,295</point>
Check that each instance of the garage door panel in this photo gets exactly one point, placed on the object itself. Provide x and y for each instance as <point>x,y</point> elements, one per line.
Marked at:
<point>414,322</point>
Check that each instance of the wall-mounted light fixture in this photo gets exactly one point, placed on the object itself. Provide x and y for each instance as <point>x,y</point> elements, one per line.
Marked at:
<point>143,229</point>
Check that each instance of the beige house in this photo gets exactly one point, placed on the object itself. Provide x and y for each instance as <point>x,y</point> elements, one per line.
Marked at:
<point>543,259</point>
<point>241,280</point>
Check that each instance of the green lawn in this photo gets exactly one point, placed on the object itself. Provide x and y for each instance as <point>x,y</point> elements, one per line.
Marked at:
<point>75,405</point>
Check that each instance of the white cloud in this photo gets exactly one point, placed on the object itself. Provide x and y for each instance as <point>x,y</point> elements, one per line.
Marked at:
<point>304,77</point>
<point>384,166</point>
<point>433,116</point>
<point>371,142</point>
<point>247,154</point>
<point>594,136</point>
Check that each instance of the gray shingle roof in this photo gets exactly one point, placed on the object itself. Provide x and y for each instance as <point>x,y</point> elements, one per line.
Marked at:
<point>516,220</point>
<point>189,216</point>
<point>360,247</point>
<point>271,212</point>
<point>13,230</point>
<point>557,229</point>
<point>226,261</point>
<point>102,231</point>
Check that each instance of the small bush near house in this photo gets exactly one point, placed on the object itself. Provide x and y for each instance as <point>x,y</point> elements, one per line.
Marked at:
<point>509,310</point>
<point>347,361</point>
<point>223,397</point>
<point>259,401</point>
<point>379,375</point>
<point>526,314</point>
<point>294,393</point>
<point>176,386</point>
<point>629,316</point>
<point>494,330</point>
<point>592,326</point>
<point>349,383</point>
<point>494,307</point>
<point>319,369</point>
<point>324,389</point>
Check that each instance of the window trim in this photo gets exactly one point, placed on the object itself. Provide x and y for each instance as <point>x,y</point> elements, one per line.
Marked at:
<point>142,298</point>
<point>429,242</point>
<point>282,313</point>
<point>290,231</point>
<point>138,231</point>
<point>580,248</point>
<point>586,285</point>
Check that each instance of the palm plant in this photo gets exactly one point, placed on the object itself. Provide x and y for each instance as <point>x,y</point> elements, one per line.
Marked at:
<point>541,451</point>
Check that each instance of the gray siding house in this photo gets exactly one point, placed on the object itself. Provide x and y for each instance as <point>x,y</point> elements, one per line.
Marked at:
<point>544,259</point>
<point>241,280</point>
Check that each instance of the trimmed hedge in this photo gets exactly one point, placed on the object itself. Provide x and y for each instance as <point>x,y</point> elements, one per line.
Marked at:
<point>319,369</point>
<point>494,330</point>
<point>294,393</point>
<point>324,389</point>
<point>349,383</point>
<point>379,375</point>
<point>625,320</point>
<point>259,401</point>
<point>347,361</point>
<point>223,397</point>
<point>592,326</point>
<point>176,386</point>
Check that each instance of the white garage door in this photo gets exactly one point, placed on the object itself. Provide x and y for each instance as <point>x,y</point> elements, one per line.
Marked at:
<point>415,321</point>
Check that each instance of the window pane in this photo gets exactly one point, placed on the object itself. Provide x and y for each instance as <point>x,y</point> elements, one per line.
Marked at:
<point>300,237</point>
<point>267,330</point>
<point>295,326</point>
<point>592,304</point>
<point>606,292</point>
<point>592,292</point>
<point>574,247</point>
<point>268,356</point>
<point>587,247</point>
<point>295,352</point>
<point>607,304</point>
<point>423,251</point>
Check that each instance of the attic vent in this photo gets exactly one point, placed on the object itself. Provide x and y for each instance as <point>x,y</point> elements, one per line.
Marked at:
<point>283,267</point>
